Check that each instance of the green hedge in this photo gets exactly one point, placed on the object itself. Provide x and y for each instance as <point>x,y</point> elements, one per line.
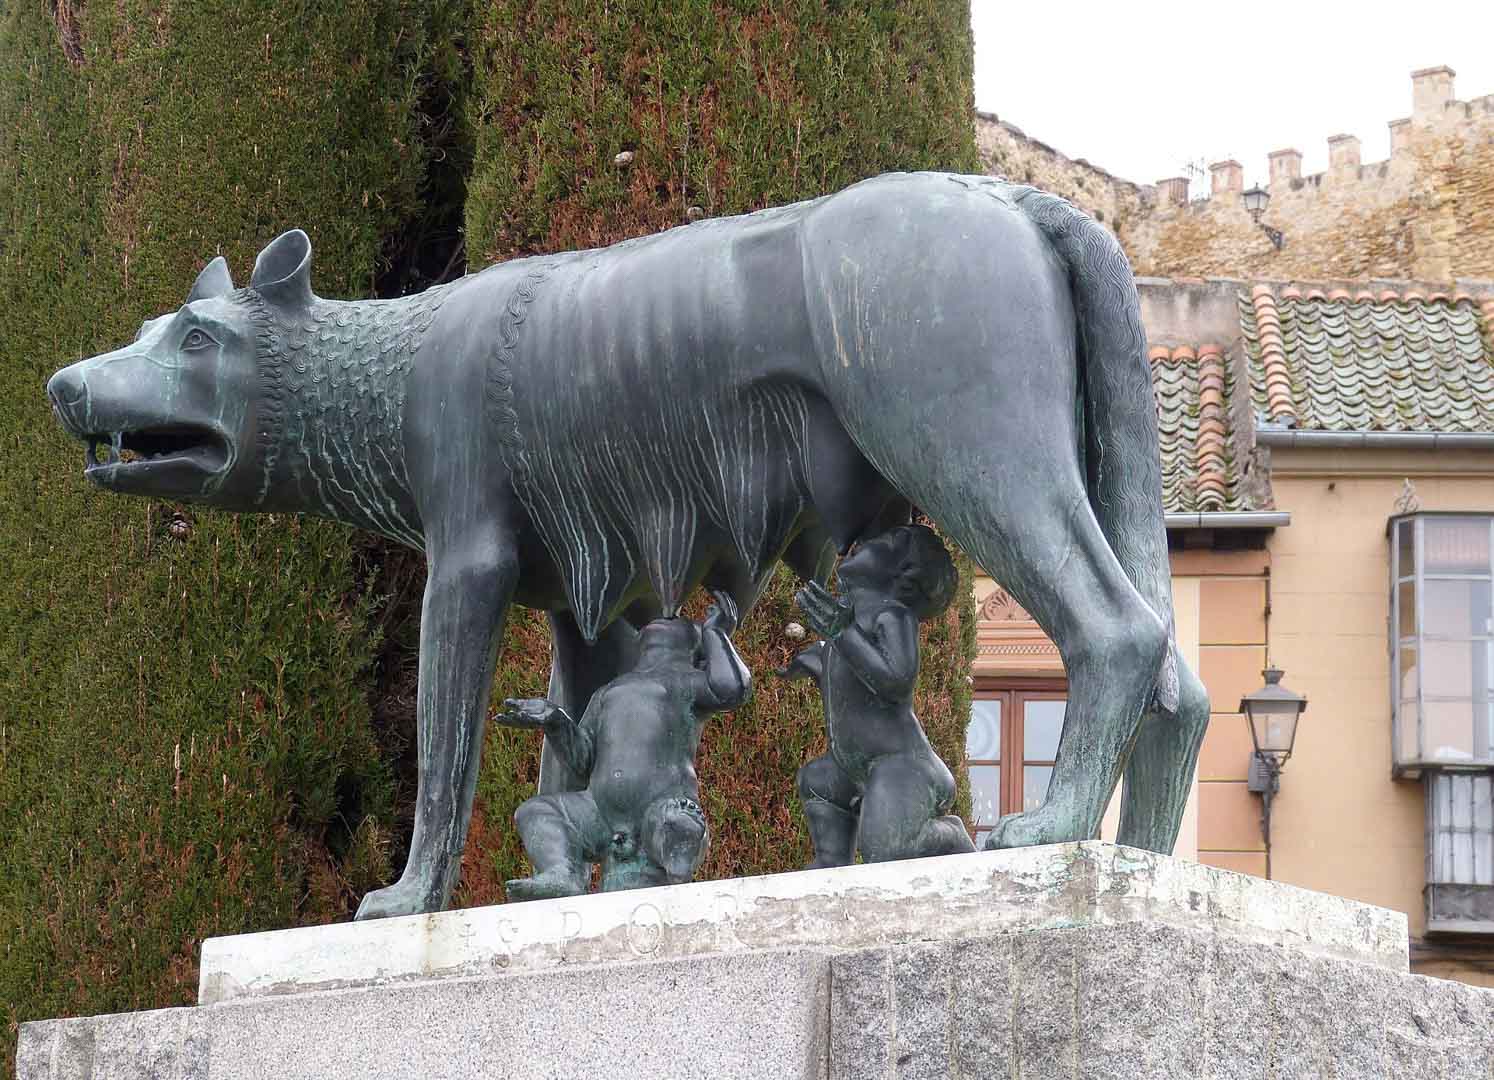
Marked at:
<point>185,746</point>
<point>200,727</point>
<point>728,107</point>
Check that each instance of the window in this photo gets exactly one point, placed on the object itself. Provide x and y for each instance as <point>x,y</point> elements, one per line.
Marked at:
<point>1442,703</point>
<point>1460,821</point>
<point>1010,746</point>
<point>1460,852</point>
<point>1442,641</point>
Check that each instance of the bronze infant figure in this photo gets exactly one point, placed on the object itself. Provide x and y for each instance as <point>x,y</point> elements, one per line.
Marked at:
<point>881,787</point>
<point>639,815</point>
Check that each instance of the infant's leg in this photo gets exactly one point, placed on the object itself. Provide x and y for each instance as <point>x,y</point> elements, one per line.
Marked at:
<point>828,795</point>
<point>904,810</point>
<point>558,833</point>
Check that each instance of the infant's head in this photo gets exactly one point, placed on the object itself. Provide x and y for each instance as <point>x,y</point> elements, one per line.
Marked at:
<point>671,636</point>
<point>911,562</point>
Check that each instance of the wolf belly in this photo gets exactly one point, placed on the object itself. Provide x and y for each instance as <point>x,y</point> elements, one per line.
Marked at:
<point>660,424</point>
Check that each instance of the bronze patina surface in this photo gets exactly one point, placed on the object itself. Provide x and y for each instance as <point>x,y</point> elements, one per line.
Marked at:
<point>599,433</point>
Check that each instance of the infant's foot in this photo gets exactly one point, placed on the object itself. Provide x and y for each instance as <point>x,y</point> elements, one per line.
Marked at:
<point>546,886</point>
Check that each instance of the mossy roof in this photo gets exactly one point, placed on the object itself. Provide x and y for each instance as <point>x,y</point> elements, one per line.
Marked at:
<point>1386,359</point>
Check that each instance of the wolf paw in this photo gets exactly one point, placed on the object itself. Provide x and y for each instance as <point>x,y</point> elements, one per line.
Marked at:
<point>1030,830</point>
<point>401,898</point>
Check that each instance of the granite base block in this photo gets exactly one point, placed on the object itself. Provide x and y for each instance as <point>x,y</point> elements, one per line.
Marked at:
<point>1100,1003</point>
<point>1078,961</point>
<point>1145,1002</point>
<point>759,1016</point>
<point>974,895</point>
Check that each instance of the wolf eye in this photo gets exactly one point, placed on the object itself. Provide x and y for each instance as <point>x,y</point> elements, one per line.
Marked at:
<point>196,339</point>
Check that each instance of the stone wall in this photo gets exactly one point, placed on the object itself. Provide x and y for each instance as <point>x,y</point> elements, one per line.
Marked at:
<point>1007,151</point>
<point>1426,212</point>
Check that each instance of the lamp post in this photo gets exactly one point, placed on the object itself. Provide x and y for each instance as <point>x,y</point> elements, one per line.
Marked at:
<point>1272,713</point>
<point>1256,200</point>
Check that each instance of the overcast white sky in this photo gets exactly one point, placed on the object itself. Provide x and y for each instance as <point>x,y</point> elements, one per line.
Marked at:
<point>1141,88</point>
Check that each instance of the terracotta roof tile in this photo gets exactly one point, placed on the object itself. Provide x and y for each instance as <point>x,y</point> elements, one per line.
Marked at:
<point>1198,468</point>
<point>1277,382</point>
<point>1403,362</point>
<point>1213,431</point>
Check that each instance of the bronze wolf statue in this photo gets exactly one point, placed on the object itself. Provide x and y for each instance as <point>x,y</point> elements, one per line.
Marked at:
<point>598,433</point>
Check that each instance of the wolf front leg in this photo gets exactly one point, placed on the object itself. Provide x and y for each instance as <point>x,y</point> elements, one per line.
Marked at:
<point>466,598</point>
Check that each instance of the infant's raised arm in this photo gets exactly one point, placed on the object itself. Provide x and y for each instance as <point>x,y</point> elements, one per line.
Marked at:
<point>726,682</point>
<point>886,659</point>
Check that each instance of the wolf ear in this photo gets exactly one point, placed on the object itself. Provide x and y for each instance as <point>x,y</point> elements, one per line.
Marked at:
<point>282,273</point>
<point>213,281</point>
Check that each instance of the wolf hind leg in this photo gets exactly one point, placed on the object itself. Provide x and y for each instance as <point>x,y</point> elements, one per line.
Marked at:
<point>1055,561</point>
<point>1159,775</point>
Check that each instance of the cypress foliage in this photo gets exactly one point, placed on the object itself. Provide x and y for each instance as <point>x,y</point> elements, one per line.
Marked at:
<point>198,712</point>
<point>726,107</point>
<point>185,746</point>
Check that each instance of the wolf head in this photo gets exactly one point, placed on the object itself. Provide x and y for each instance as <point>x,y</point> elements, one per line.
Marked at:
<point>182,412</point>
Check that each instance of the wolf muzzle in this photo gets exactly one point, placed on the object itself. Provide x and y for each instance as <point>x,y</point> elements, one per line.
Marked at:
<point>67,394</point>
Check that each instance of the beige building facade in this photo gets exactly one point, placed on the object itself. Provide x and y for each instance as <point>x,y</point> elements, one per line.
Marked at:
<point>1297,421</point>
<point>1342,823</point>
<point>1326,413</point>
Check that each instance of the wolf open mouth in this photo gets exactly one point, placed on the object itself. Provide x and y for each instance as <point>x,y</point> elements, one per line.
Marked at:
<point>199,446</point>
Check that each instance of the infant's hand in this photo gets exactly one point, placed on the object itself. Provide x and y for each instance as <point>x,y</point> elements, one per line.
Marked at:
<point>826,613</point>
<point>723,614</point>
<point>524,713</point>
<point>804,665</point>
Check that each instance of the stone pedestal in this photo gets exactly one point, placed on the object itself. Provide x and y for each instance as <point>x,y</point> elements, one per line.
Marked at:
<point>1077,960</point>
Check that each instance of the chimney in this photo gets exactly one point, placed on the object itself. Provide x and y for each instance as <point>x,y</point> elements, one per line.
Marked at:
<point>1343,153</point>
<point>1174,192</point>
<point>1286,165</point>
<point>1400,135</point>
<point>1228,178</point>
<point>1431,92</point>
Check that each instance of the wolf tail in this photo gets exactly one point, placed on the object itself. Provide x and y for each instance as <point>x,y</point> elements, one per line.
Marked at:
<point>1123,471</point>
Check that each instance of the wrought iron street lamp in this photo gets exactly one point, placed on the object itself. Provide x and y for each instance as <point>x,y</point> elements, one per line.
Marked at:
<point>1256,200</point>
<point>1272,713</point>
